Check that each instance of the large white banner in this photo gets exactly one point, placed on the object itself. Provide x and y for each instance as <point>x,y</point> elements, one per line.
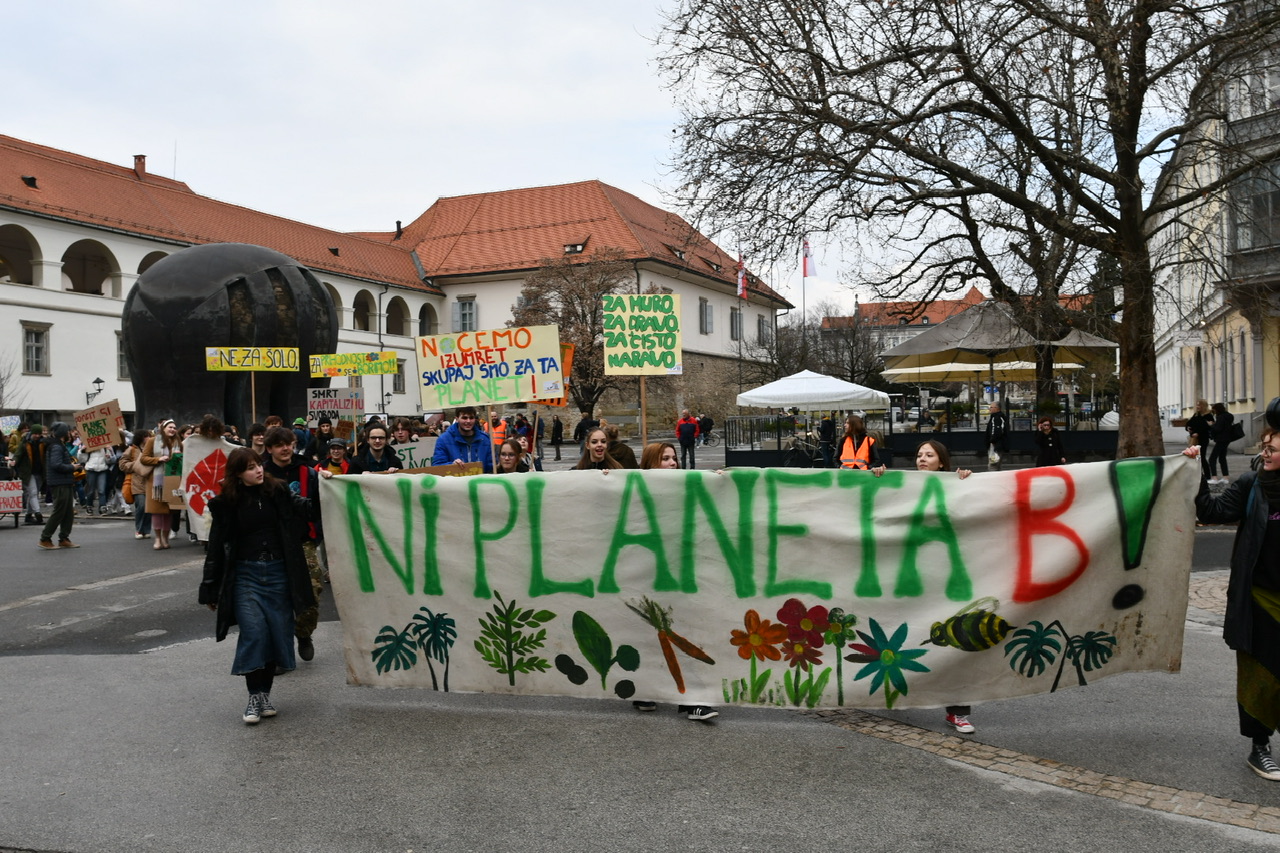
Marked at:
<point>772,587</point>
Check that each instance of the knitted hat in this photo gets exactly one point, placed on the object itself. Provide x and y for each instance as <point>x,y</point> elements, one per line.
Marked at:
<point>299,421</point>
<point>36,429</point>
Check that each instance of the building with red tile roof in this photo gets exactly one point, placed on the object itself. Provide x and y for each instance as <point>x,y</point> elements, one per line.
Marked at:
<point>76,233</point>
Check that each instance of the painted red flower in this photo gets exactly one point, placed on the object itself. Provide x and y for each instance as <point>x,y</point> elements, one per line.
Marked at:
<point>760,639</point>
<point>800,654</point>
<point>803,625</point>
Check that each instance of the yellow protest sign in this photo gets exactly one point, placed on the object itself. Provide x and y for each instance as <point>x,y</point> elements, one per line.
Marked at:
<point>354,364</point>
<point>489,366</point>
<point>281,359</point>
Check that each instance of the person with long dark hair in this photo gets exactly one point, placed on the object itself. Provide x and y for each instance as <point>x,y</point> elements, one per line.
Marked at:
<point>596,452</point>
<point>1252,623</point>
<point>255,573</point>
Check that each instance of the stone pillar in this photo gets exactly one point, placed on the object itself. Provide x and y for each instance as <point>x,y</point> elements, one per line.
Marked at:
<point>46,274</point>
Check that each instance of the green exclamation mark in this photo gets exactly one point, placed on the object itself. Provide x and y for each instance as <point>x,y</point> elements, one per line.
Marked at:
<point>1136,485</point>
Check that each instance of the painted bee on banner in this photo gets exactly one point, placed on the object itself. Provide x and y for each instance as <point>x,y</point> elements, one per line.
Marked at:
<point>976,628</point>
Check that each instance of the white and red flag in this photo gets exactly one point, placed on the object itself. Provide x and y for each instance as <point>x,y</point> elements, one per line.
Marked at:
<point>742,278</point>
<point>810,269</point>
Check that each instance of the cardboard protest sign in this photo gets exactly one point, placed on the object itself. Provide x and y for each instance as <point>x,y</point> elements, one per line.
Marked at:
<point>354,364</point>
<point>8,423</point>
<point>11,496</point>
<point>491,366</point>
<point>100,426</point>
<point>642,334</point>
<point>566,368</point>
<point>772,587</point>
<point>257,359</point>
<point>466,469</point>
<point>337,404</point>
<point>416,453</point>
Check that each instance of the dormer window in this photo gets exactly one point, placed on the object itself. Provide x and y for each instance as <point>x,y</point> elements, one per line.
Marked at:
<point>924,321</point>
<point>714,266</point>
<point>679,253</point>
<point>574,248</point>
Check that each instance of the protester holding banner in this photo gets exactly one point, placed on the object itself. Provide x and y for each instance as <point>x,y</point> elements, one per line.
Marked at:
<point>463,442</point>
<point>301,479</point>
<point>374,455</point>
<point>255,574</point>
<point>659,454</point>
<point>1252,623</point>
<point>857,448</point>
<point>159,448</point>
<point>337,462</point>
<point>933,455</point>
<point>139,474</point>
<point>596,456</point>
<point>204,455</point>
<point>98,478</point>
<point>511,458</point>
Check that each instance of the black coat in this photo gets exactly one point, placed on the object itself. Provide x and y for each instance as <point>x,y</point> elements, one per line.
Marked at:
<point>1232,505</point>
<point>1199,426</point>
<point>1050,451</point>
<point>218,585</point>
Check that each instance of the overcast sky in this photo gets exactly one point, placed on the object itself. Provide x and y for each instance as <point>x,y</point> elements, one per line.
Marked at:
<point>351,116</point>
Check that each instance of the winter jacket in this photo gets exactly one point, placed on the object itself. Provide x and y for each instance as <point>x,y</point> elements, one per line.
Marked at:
<point>687,430</point>
<point>304,481</point>
<point>59,465</point>
<point>218,584</point>
<point>452,444</point>
<point>364,461</point>
<point>1243,502</point>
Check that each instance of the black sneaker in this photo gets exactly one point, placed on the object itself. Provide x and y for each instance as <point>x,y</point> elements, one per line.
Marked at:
<point>699,712</point>
<point>306,648</point>
<point>265,708</point>
<point>645,706</point>
<point>1261,762</point>
<point>253,711</point>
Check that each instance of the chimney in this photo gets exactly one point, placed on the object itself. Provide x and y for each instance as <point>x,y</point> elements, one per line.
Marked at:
<point>140,165</point>
<point>399,230</point>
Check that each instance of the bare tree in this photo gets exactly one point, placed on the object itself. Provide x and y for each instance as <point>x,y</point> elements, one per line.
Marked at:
<point>13,392</point>
<point>566,292</point>
<point>825,115</point>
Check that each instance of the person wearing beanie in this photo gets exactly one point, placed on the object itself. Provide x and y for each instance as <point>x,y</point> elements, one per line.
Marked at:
<point>60,470</point>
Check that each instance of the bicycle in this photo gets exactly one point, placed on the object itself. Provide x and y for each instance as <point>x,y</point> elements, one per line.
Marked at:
<point>802,453</point>
<point>710,439</point>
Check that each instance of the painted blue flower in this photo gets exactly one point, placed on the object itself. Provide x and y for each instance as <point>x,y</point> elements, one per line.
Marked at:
<point>886,660</point>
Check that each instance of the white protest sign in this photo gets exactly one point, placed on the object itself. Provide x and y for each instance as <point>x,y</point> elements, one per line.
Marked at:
<point>770,587</point>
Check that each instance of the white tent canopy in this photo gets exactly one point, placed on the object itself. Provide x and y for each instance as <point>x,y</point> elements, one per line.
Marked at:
<point>998,371</point>
<point>809,390</point>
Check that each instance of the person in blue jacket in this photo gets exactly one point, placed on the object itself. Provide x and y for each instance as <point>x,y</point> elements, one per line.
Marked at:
<point>463,442</point>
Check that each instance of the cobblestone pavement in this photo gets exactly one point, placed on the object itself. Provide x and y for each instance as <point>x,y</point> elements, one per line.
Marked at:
<point>1207,605</point>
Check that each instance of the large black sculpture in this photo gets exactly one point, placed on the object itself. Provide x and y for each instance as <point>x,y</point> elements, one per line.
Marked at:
<point>223,295</point>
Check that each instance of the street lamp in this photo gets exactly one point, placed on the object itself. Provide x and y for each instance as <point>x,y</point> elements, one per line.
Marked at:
<point>386,400</point>
<point>1093,404</point>
<point>90,396</point>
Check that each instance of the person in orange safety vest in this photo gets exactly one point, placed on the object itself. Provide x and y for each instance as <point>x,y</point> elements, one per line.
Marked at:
<point>857,449</point>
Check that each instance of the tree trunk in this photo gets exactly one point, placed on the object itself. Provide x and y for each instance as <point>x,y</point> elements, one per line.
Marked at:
<point>1140,432</point>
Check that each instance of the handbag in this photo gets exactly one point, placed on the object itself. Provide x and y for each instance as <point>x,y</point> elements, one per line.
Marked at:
<point>1237,431</point>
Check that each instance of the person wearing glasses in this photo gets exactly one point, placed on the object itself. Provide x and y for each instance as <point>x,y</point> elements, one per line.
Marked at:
<point>511,458</point>
<point>375,456</point>
<point>1252,623</point>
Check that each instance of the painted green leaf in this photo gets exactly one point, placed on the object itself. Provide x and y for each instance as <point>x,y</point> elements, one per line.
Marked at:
<point>595,644</point>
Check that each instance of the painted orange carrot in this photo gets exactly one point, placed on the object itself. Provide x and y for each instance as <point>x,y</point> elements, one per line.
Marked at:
<point>660,618</point>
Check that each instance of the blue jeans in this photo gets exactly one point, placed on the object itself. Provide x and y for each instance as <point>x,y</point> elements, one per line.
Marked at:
<point>97,485</point>
<point>141,518</point>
